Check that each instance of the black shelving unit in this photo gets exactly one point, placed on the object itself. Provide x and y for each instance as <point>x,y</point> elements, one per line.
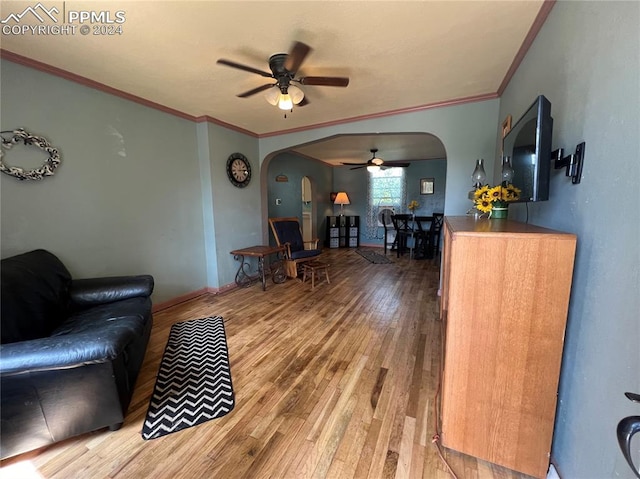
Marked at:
<point>343,232</point>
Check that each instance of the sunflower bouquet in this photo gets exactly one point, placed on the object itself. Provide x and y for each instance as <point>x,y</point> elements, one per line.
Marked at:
<point>413,206</point>
<point>487,197</point>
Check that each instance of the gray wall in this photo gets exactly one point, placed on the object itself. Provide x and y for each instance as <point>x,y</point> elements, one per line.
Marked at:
<point>235,211</point>
<point>585,60</point>
<point>127,196</point>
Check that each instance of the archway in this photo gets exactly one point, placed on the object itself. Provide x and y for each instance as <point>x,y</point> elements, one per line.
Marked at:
<point>424,151</point>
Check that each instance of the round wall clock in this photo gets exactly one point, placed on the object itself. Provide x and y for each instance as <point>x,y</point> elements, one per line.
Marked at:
<point>238,170</point>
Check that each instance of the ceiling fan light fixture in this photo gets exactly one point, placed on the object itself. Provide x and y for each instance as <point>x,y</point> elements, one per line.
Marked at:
<point>297,95</point>
<point>285,102</point>
<point>375,162</point>
<point>272,96</point>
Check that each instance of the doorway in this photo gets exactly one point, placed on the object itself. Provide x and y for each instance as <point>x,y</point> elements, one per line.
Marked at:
<point>307,209</point>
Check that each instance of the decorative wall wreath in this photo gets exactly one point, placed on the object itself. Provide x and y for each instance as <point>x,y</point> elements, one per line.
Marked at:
<point>47,169</point>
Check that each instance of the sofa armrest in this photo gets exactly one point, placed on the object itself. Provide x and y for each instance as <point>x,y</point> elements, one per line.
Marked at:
<point>92,291</point>
<point>66,351</point>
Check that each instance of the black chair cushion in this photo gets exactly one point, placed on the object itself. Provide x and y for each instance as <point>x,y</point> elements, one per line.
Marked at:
<point>35,295</point>
<point>289,232</point>
<point>305,253</point>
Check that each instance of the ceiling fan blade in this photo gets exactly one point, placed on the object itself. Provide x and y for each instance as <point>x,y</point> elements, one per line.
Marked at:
<point>256,90</point>
<point>325,81</point>
<point>298,53</point>
<point>355,164</point>
<point>358,167</point>
<point>395,164</point>
<point>246,68</point>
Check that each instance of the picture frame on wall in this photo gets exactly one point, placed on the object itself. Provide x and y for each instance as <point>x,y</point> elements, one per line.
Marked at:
<point>506,126</point>
<point>426,186</point>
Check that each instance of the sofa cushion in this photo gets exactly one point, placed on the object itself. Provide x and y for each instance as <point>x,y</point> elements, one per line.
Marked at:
<point>34,295</point>
<point>129,314</point>
<point>92,336</point>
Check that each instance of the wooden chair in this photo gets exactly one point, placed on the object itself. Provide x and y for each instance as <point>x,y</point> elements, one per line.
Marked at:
<point>287,233</point>
<point>435,233</point>
<point>391,244</point>
<point>423,238</point>
<point>403,230</point>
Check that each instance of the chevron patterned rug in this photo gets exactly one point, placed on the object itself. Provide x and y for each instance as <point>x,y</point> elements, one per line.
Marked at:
<point>194,381</point>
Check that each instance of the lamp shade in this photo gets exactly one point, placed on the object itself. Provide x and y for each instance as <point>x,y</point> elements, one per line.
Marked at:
<point>297,95</point>
<point>507,169</point>
<point>342,199</point>
<point>286,98</point>
<point>285,102</point>
<point>272,95</point>
<point>479,176</point>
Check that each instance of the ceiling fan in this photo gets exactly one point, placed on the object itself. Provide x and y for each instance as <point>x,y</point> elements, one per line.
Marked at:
<point>376,162</point>
<point>284,68</point>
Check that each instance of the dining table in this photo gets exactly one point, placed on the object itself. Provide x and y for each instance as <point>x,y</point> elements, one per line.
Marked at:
<point>415,234</point>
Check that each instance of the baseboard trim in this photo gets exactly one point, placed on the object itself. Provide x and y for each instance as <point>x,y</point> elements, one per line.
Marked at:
<point>192,295</point>
<point>371,245</point>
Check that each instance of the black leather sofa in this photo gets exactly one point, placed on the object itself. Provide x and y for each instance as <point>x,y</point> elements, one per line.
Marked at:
<point>70,351</point>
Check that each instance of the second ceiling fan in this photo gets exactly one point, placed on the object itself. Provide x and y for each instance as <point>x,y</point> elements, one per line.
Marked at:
<point>378,162</point>
<point>284,68</point>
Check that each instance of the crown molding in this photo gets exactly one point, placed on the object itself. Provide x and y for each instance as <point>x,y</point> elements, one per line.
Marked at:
<point>44,67</point>
<point>400,111</point>
<point>526,44</point>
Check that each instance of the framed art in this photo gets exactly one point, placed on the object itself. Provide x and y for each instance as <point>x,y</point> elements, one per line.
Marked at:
<point>506,126</point>
<point>426,186</point>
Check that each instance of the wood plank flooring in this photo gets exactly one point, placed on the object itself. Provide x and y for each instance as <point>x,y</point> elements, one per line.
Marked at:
<point>338,382</point>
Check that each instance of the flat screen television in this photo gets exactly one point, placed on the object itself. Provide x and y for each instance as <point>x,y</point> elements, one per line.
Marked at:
<point>528,144</point>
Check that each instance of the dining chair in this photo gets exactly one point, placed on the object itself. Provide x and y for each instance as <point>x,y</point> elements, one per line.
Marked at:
<point>436,233</point>
<point>403,231</point>
<point>422,235</point>
<point>394,243</point>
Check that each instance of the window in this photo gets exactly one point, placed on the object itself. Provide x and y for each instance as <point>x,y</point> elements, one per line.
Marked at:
<point>387,187</point>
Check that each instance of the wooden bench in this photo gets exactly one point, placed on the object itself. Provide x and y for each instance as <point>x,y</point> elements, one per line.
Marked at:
<point>312,269</point>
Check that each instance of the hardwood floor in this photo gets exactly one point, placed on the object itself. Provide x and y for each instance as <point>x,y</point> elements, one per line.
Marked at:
<point>338,382</point>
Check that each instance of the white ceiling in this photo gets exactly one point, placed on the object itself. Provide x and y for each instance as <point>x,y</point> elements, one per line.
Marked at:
<point>399,55</point>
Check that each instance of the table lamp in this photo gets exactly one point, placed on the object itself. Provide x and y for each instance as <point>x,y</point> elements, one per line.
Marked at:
<point>342,199</point>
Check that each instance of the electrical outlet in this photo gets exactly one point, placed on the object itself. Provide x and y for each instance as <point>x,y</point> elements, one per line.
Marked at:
<point>278,201</point>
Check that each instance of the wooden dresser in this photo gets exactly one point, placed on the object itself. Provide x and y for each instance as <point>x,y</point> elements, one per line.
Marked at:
<point>505,294</point>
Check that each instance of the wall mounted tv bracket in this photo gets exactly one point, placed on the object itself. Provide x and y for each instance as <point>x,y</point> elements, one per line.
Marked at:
<point>572,163</point>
